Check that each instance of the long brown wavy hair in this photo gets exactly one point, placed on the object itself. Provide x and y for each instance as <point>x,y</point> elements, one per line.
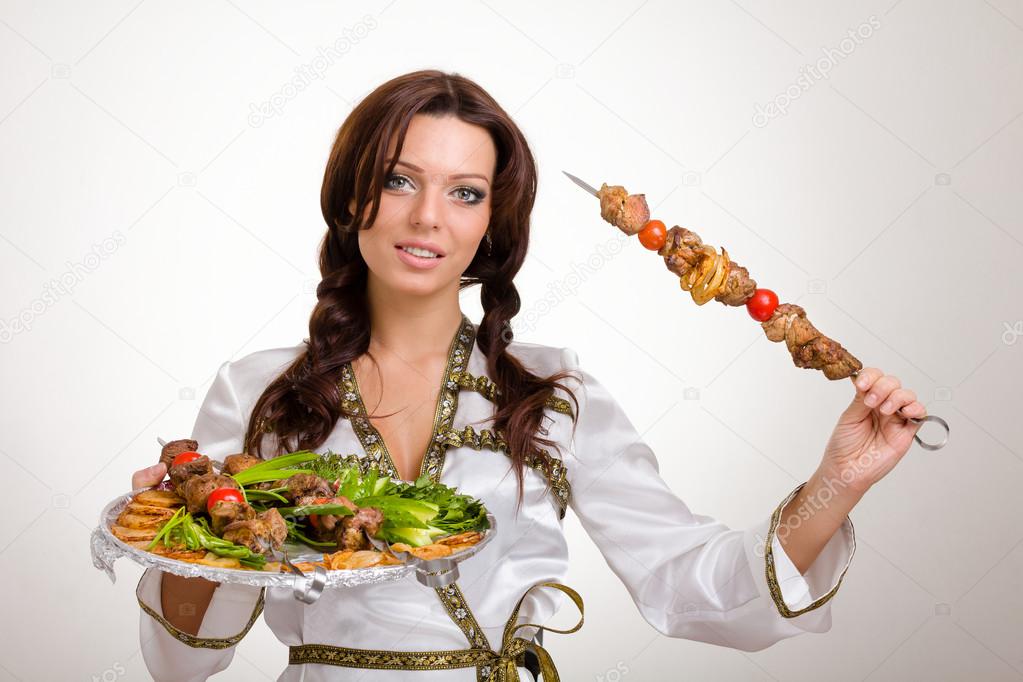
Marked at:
<point>302,405</point>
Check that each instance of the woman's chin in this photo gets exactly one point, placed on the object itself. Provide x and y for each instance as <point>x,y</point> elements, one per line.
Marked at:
<point>416,284</point>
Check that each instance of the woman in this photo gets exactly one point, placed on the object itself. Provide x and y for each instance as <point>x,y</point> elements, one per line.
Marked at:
<point>429,189</point>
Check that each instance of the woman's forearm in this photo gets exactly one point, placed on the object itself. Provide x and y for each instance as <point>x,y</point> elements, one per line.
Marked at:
<point>185,600</point>
<point>813,516</point>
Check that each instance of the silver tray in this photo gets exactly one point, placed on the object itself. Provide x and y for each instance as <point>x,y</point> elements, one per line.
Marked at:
<point>307,587</point>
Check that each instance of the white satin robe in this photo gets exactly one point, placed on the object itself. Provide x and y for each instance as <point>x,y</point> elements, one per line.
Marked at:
<point>690,575</point>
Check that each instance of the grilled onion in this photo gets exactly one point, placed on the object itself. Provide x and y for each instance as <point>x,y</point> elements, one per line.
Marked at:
<point>710,288</point>
<point>705,279</point>
<point>700,271</point>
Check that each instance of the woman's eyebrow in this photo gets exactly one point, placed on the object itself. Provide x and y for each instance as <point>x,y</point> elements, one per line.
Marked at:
<point>450,177</point>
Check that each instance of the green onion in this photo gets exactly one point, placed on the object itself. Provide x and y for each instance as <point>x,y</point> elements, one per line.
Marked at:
<point>257,494</point>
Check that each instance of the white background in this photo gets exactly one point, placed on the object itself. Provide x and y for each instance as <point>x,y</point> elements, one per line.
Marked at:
<point>885,201</point>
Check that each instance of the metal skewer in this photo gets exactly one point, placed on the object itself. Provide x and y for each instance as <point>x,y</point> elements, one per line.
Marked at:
<point>916,420</point>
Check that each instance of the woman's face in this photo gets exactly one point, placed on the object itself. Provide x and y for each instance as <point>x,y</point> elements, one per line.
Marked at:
<point>439,196</point>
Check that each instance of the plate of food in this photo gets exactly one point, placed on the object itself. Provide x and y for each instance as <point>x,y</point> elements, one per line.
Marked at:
<point>303,520</point>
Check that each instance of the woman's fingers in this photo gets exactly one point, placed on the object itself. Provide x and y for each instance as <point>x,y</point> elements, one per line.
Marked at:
<point>866,378</point>
<point>898,398</point>
<point>146,478</point>
<point>914,409</point>
<point>880,390</point>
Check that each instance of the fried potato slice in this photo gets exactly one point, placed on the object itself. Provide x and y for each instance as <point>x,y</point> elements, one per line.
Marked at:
<point>131,535</point>
<point>364,559</point>
<point>467,538</point>
<point>458,548</point>
<point>140,521</point>
<point>388,559</point>
<point>148,510</point>
<point>180,553</point>
<point>138,544</point>
<point>211,559</point>
<point>400,547</point>
<point>336,561</point>
<point>428,552</point>
<point>159,498</point>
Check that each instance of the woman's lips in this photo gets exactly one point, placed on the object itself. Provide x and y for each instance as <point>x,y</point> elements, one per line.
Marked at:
<point>417,262</point>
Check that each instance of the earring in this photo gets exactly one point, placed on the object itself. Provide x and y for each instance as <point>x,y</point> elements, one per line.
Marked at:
<point>490,242</point>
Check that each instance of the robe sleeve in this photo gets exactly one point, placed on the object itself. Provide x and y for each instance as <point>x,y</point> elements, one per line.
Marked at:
<point>690,575</point>
<point>170,654</point>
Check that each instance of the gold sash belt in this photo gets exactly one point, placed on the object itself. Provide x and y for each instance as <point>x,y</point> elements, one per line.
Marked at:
<point>490,665</point>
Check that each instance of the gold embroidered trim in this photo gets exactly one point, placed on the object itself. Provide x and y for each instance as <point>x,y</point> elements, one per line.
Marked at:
<point>490,665</point>
<point>447,402</point>
<point>772,578</point>
<point>488,389</point>
<point>351,405</point>
<point>454,603</point>
<point>203,642</point>
<point>387,660</point>
<point>469,437</point>
<point>433,461</point>
<point>541,461</point>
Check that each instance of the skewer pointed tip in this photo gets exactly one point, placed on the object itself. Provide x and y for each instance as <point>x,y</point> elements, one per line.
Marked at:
<point>581,183</point>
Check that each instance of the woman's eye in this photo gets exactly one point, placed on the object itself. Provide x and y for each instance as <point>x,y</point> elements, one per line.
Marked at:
<point>393,182</point>
<point>469,195</point>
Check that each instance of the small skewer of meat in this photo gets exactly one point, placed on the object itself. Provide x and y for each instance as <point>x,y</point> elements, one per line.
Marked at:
<point>196,490</point>
<point>175,448</point>
<point>182,472</point>
<point>686,256</point>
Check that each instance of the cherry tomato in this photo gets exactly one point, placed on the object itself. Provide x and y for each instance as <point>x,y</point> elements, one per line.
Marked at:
<point>653,235</point>
<point>313,517</point>
<point>762,304</point>
<point>223,494</point>
<point>184,458</point>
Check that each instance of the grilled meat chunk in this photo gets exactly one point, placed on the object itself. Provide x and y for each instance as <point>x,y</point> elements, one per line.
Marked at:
<point>809,348</point>
<point>265,532</point>
<point>182,472</point>
<point>354,529</point>
<point>306,485</point>
<point>175,448</point>
<point>196,490</point>
<point>226,512</point>
<point>239,462</point>
<point>681,253</point>
<point>628,212</point>
<point>326,523</point>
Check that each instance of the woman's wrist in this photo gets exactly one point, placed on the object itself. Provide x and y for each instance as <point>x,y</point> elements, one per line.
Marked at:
<point>814,515</point>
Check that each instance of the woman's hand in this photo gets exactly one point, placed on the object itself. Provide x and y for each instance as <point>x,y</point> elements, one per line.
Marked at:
<point>870,438</point>
<point>147,478</point>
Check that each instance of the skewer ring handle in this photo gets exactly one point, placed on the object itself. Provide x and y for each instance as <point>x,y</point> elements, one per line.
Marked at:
<point>930,418</point>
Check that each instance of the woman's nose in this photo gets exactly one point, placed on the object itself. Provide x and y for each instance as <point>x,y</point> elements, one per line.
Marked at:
<point>429,206</point>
